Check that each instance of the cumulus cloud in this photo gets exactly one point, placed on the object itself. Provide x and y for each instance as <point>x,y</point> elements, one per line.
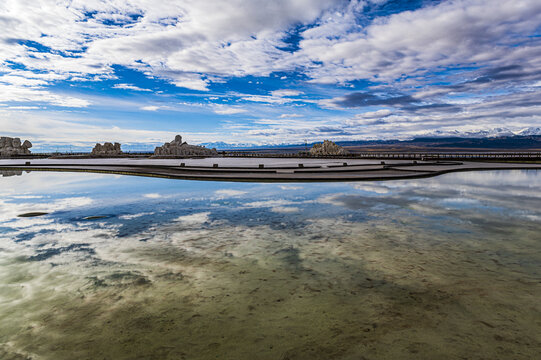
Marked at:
<point>411,43</point>
<point>190,43</point>
<point>181,41</point>
<point>286,93</point>
<point>228,110</point>
<point>441,66</point>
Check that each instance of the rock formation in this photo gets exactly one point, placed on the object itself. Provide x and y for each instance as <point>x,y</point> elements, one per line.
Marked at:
<point>327,148</point>
<point>13,146</point>
<point>179,148</point>
<point>107,149</point>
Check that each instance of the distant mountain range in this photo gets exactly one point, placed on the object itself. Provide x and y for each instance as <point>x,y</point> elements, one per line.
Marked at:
<point>514,142</point>
<point>495,132</point>
<point>495,139</point>
<point>220,145</point>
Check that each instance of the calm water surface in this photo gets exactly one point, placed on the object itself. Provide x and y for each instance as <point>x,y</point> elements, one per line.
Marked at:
<point>140,268</point>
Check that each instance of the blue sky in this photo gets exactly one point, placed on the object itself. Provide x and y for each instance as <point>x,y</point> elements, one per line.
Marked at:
<point>266,72</point>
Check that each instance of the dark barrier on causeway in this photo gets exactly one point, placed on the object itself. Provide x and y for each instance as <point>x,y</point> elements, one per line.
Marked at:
<point>485,156</point>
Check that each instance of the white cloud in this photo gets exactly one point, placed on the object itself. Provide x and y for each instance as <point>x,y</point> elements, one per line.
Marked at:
<point>22,81</point>
<point>180,41</point>
<point>193,82</point>
<point>153,196</point>
<point>268,99</point>
<point>286,93</point>
<point>290,116</point>
<point>228,110</point>
<point>24,108</point>
<point>374,114</point>
<point>150,108</point>
<point>453,33</point>
<point>21,94</point>
<point>192,43</point>
<point>129,87</point>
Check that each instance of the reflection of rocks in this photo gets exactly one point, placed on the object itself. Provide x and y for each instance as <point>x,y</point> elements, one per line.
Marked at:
<point>177,147</point>
<point>33,214</point>
<point>106,149</point>
<point>290,256</point>
<point>327,148</point>
<point>6,173</point>
<point>13,146</point>
<point>95,217</point>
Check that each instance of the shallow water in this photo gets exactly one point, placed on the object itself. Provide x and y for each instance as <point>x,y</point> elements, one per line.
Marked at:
<point>129,268</point>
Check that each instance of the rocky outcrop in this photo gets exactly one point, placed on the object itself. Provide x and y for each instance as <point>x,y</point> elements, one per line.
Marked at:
<point>327,148</point>
<point>107,149</point>
<point>13,146</point>
<point>179,148</point>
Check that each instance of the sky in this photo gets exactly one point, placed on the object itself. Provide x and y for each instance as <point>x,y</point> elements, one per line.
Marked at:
<point>77,72</point>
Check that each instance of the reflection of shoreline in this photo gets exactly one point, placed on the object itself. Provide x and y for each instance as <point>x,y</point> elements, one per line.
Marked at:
<point>268,171</point>
<point>7,173</point>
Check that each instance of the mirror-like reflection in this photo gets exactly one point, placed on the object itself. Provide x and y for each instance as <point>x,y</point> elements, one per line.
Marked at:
<point>123,267</point>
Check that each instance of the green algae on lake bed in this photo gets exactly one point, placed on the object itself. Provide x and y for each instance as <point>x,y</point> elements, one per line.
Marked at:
<point>439,268</point>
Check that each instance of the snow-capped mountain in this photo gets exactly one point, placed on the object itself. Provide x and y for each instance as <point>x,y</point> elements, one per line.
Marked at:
<point>220,145</point>
<point>485,133</point>
<point>531,131</point>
